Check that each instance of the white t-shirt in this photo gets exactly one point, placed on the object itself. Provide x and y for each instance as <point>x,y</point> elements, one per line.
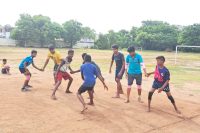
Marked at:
<point>65,66</point>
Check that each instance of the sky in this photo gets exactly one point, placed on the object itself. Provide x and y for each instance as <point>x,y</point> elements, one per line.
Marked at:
<point>103,15</point>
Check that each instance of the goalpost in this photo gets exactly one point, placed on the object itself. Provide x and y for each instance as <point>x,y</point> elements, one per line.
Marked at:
<point>138,48</point>
<point>182,46</point>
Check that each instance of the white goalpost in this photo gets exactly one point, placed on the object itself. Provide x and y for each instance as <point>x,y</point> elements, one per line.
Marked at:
<point>138,48</point>
<point>182,46</point>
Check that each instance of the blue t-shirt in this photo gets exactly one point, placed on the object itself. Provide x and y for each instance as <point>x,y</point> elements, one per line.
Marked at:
<point>28,60</point>
<point>165,74</point>
<point>134,64</point>
<point>89,72</point>
<point>119,59</point>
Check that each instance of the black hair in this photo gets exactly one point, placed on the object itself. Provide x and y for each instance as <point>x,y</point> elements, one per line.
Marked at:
<point>4,60</point>
<point>83,55</point>
<point>51,47</point>
<point>87,58</point>
<point>70,51</point>
<point>115,46</point>
<point>131,49</point>
<point>33,51</point>
<point>162,58</point>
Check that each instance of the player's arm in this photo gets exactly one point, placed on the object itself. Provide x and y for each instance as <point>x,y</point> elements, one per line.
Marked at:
<point>164,85</point>
<point>103,82</point>
<point>82,75</point>
<point>126,66</point>
<point>46,62</point>
<point>143,66</point>
<point>61,64</point>
<point>36,67</point>
<point>111,64</point>
<point>123,66</point>
<point>72,72</point>
<point>149,74</point>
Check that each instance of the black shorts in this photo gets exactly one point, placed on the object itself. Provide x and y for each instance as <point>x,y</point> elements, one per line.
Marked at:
<point>157,85</point>
<point>22,70</point>
<point>137,77</point>
<point>3,71</point>
<point>83,89</point>
<point>55,67</point>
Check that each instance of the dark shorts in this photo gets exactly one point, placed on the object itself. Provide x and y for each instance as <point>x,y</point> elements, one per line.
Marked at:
<point>83,89</point>
<point>3,71</point>
<point>157,85</point>
<point>22,70</point>
<point>55,67</point>
<point>117,71</point>
<point>137,77</point>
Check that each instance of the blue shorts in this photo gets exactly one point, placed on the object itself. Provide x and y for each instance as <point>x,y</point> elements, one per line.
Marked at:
<point>117,71</point>
<point>22,70</point>
<point>157,85</point>
<point>83,89</point>
<point>137,77</point>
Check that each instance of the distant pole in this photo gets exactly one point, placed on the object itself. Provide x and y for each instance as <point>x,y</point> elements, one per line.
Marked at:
<point>176,54</point>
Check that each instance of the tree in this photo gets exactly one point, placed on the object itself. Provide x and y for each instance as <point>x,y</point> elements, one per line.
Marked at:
<point>124,39</point>
<point>88,33</point>
<point>102,42</point>
<point>157,35</point>
<point>72,32</point>
<point>190,35</point>
<point>24,30</point>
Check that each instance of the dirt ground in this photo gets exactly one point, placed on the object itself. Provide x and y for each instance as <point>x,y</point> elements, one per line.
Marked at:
<point>35,112</point>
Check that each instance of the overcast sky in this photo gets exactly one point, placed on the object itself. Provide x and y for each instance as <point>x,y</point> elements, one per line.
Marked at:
<point>103,15</point>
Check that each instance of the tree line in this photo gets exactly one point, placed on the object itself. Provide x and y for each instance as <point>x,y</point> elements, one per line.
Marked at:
<point>151,35</point>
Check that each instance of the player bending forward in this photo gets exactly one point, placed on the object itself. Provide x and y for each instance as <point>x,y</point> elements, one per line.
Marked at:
<point>88,73</point>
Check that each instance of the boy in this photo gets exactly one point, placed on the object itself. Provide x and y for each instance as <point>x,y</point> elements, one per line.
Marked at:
<point>56,57</point>
<point>119,71</point>
<point>62,73</point>
<point>161,82</point>
<point>24,70</point>
<point>134,63</point>
<point>5,69</point>
<point>88,73</point>
<point>98,68</point>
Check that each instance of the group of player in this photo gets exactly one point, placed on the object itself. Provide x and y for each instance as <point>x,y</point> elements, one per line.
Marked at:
<point>132,67</point>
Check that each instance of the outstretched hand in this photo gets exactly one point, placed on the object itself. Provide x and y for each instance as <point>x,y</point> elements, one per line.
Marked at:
<point>105,86</point>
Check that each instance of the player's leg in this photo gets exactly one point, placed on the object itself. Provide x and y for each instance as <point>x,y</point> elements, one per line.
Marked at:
<point>90,92</point>
<point>69,84</point>
<point>27,75</point>
<point>117,92</point>
<point>149,98</point>
<point>139,85</point>
<point>79,96</point>
<point>53,96</point>
<point>173,102</point>
<point>130,83</point>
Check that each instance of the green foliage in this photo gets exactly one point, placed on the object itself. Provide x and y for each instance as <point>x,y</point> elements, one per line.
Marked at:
<point>190,35</point>
<point>102,42</point>
<point>152,35</point>
<point>71,32</point>
<point>157,35</point>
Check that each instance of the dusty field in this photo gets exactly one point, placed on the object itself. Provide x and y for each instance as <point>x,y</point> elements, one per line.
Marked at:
<point>35,112</point>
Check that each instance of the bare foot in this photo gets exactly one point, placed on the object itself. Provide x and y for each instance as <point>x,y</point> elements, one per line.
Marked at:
<point>91,104</point>
<point>116,97</point>
<point>84,109</point>
<point>127,101</point>
<point>178,112</point>
<point>53,97</point>
<point>68,91</point>
<point>139,100</point>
